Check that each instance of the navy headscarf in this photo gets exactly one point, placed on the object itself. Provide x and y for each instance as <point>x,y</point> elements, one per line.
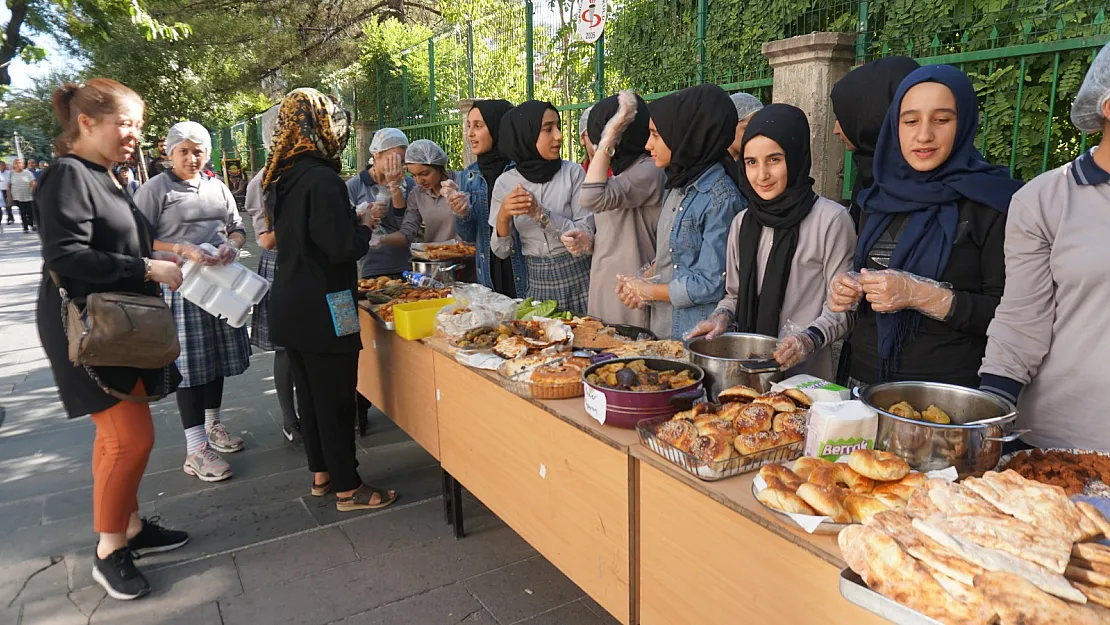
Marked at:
<point>930,199</point>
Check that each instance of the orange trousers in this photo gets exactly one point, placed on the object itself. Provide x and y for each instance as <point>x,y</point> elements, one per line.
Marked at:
<point>124,438</point>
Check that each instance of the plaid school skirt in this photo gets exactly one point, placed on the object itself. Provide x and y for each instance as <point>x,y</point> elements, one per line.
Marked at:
<point>260,317</point>
<point>210,348</point>
<point>564,278</point>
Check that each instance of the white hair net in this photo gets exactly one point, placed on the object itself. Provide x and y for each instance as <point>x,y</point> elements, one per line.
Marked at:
<point>424,152</point>
<point>745,104</point>
<point>188,131</point>
<point>1086,112</point>
<point>388,138</point>
<point>583,120</point>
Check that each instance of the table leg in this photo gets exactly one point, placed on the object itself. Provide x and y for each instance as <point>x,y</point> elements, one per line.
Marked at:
<point>457,509</point>
<point>445,486</point>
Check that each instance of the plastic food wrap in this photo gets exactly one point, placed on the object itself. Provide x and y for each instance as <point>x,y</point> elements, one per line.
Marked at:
<point>475,307</point>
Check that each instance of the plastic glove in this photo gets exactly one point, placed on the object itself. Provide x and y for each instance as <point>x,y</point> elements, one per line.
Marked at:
<point>578,242</point>
<point>194,253</point>
<point>845,292</point>
<point>169,257</point>
<point>458,201</point>
<point>626,112</point>
<point>227,253</point>
<point>711,328</point>
<point>631,295</point>
<point>891,290</point>
<point>795,349</point>
<point>392,169</point>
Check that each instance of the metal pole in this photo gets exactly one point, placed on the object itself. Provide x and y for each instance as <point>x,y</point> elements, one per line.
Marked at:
<point>599,68</point>
<point>470,59</point>
<point>431,78</point>
<point>381,102</point>
<point>530,71</point>
<point>404,89</point>
<point>861,32</point>
<point>703,15</point>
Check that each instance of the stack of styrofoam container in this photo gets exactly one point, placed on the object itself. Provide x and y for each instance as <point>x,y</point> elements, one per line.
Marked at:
<point>225,291</point>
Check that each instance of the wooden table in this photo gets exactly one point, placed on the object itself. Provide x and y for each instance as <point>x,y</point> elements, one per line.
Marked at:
<point>550,472</point>
<point>649,542</point>
<point>710,553</point>
<point>397,376</point>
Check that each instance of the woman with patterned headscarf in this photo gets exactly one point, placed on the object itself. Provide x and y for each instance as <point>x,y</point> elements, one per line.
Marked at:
<point>312,306</point>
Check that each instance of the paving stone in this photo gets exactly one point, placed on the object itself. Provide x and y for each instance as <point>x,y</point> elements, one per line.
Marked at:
<point>176,593</point>
<point>89,595</point>
<point>602,613</point>
<point>10,616</point>
<point>396,529</point>
<point>450,604</point>
<point>39,542</point>
<point>21,514</point>
<point>362,586</point>
<point>518,591</point>
<point>53,581</point>
<point>258,470</point>
<point>57,610</point>
<point>14,573</point>
<point>570,614</point>
<point>293,558</point>
<point>22,480</point>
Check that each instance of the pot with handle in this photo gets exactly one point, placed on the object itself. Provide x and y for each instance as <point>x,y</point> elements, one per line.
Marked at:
<point>445,271</point>
<point>624,409</point>
<point>972,443</point>
<point>736,358</point>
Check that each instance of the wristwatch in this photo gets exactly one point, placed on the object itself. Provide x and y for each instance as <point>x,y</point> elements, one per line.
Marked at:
<point>543,219</point>
<point>147,266</point>
<point>608,149</point>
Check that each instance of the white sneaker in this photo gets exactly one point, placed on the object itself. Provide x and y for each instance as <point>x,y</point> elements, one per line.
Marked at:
<point>223,441</point>
<point>207,465</point>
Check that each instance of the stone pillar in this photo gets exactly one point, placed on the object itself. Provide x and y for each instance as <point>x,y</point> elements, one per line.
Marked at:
<point>464,110</point>
<point>806,67</point>
<point>364,133</point>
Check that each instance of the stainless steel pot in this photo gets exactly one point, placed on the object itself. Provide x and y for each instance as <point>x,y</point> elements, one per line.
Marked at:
<point>446,271</point>
<point>981,423</point>
<point>727,361</point>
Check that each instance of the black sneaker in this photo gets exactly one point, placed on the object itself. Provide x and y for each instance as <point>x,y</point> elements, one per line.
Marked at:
<point>154,538</point>
<point>118,575</point>
<point>293,436</point>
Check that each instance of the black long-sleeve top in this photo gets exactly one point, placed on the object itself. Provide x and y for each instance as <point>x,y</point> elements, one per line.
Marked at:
<point>948,351</point>
<point>319,244</point>
<point>95,239</point>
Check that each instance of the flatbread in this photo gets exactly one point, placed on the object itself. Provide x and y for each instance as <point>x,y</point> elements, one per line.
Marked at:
<point>1095,594</point>
<point>1019,602</point>
<point>1087,576</point>
<point>1012,536</point>
<point>929,552</point>
<point>1091,551</point>
<point>1042,505</point>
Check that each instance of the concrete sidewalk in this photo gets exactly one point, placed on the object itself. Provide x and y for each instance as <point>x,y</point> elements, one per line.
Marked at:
<point>262,549</point>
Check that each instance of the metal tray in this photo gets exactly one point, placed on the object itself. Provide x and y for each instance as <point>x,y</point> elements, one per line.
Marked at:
<point>826,527</point>
<point>713,471</point>
<point>855,591</point>
<point>388,325</point>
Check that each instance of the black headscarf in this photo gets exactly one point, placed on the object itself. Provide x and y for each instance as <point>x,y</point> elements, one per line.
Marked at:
<point>520,128</point>
<point>860,101</point>
<point>697,124</point>
<point>759,310</point>
<point>492,163</point>
<point>633,141</point>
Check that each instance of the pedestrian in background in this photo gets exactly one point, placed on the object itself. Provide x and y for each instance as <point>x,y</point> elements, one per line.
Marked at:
<point>5,191</point>
<point>23,194</point>
<point>313,312</point>
<point>95,241</point>
<point>127,179</point>
<point>188,209</point>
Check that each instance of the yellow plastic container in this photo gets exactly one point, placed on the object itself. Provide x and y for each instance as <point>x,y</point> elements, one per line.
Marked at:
<point>417,320</point>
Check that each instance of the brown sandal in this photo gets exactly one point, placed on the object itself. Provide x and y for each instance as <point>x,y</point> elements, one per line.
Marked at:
<point>319,490</point>
<point>362,499</point>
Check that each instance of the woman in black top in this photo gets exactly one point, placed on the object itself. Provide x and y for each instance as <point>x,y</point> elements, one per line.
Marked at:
<point>930,255</point>
<point>94,240</point>
<point>312,305</point>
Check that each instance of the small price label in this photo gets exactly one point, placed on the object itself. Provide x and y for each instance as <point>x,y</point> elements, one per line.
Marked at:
<point>595,404</point>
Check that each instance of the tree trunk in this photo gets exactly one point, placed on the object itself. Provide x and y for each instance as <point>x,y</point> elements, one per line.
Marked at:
<point>12,39</point>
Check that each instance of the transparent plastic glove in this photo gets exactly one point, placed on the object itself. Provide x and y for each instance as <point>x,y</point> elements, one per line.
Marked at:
<point>457,201</point>
<point>626,112</point>
<point>194,253</point>
<point>891,290</point>
<point>227,253</point>
<point>711,328</point>
<point>375,242</point>
<point>168,256</point>
<point>845,292</point>
<point>578,242</point>
<point>630,295</point>
<point>795,349</point>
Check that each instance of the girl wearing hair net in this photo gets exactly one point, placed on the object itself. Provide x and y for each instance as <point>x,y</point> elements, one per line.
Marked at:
<point>384,185</point>
<point>746,106</point>
<point>434,201</point>
<point>1047,348</point>
<point>188,209</point>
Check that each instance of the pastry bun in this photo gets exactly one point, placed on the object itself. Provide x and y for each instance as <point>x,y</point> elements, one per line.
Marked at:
<point>805,465</point>
<point>824,501</point>
<point>711,448</point>
<point>778,401</point>
<point>779,472</point>
<point>878,465</point>
<point>863,507</point>
<point>739,393</point>
<point>798,397</point>
<point>784,501</point>
<point>677,433</point>
<point>840,473</point>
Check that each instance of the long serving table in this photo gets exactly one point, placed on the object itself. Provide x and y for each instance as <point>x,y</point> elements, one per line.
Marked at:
<point>647,541</point>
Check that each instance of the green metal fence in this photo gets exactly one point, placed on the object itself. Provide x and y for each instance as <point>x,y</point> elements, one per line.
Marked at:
<point>1026,58</point>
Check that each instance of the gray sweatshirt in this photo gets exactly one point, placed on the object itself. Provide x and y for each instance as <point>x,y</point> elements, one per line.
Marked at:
<point>826,243</point>
<point>1049,330</point>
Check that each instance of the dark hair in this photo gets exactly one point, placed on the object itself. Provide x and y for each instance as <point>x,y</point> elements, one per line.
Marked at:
<point>95,98</point>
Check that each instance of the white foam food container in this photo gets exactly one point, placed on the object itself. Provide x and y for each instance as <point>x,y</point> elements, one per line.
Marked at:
<point>224,291</point>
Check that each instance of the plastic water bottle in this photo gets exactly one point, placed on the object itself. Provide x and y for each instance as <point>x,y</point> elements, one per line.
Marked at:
<point>420,280</point>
